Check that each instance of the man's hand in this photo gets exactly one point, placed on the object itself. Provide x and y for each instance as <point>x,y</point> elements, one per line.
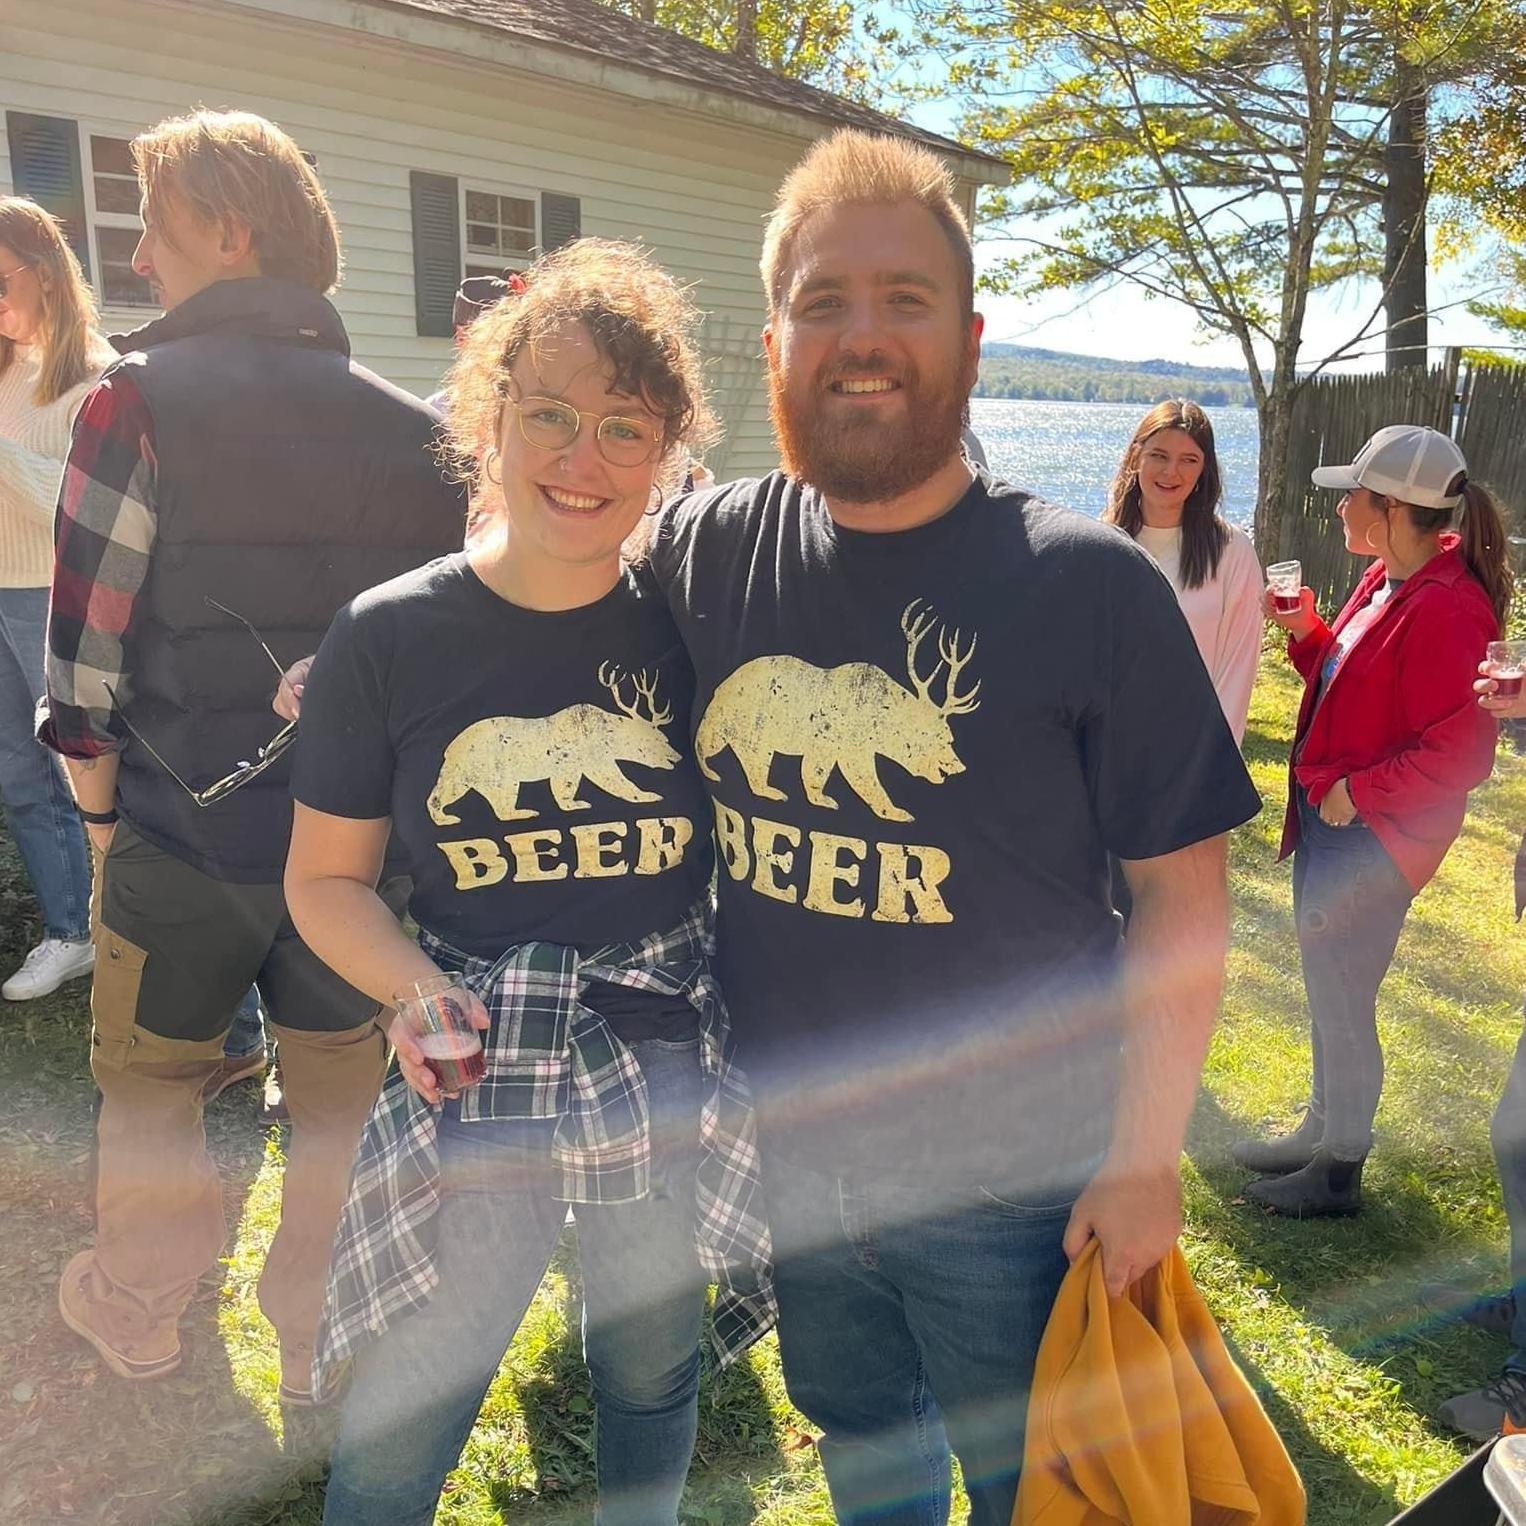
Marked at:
<point>288,701</point>
<point>1336,809</point>
<point>1136,1216</point>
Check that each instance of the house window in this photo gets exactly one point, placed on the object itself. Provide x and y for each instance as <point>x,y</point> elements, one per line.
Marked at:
<point>500,231</point>
<point>115,223</point>
<point>465,230</point>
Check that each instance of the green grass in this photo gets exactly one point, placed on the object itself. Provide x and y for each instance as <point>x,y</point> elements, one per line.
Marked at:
<point>1323,1315</point>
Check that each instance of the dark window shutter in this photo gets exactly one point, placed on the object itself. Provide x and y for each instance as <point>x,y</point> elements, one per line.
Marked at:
<point>45,166</point>
<point>561,220</point>
<point>436,251</point>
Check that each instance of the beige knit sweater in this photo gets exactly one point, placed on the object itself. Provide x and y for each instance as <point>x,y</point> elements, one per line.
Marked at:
<point>34,440</point>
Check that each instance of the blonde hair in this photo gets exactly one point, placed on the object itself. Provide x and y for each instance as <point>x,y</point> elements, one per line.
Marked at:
<point>640,320</point>
<point>223,165</point>
<point>68,305</point>
<point>864,168</point>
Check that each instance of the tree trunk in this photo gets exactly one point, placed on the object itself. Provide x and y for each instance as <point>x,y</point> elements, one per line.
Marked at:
<point>649,11</point>
<point>1404,199</point>
<point>1275,415</point>
<point>746,44</point>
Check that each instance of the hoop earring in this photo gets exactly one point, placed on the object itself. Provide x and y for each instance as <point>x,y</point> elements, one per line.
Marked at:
<point>487,466</point>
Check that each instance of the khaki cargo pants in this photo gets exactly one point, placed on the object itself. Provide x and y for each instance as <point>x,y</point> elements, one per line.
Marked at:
<point>175,950</point>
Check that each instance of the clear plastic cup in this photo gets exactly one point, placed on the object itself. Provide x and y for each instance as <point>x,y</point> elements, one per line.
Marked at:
<point>1506,662</point>
<point>1285,579</point>
<point>436,1013</point>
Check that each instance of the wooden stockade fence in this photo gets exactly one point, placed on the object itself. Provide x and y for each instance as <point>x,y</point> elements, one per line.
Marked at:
<point>1492,433</point>
<point>1333,417</point>
<point>1483,407</point>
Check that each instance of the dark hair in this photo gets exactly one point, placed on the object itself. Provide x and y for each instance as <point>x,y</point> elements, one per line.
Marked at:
<point>1485,545</point>
<point>1204,532</point>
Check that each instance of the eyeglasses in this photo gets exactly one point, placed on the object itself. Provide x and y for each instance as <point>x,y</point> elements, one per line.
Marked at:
<point>7,276</point>
<point>244,771</point>
<point>550,424</point>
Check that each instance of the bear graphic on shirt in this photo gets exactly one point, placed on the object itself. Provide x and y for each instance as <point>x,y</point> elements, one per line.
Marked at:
<point>844,718</point>
<point>584,742</point>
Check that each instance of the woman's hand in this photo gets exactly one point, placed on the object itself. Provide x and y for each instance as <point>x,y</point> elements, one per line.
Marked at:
<point>1487,691</point>
<point>410,1058</point>
<point>288,701</point>
<point>1297,624</point>
<point>1336,809</point>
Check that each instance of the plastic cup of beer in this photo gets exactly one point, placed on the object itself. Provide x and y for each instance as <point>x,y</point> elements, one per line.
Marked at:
<point>436,1013</point>
<point>1285,579</point>
<point>1506,662</point>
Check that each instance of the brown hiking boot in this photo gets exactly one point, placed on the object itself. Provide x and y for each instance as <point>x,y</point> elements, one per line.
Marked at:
<point>153,1354</point>
<point>231,1070</point>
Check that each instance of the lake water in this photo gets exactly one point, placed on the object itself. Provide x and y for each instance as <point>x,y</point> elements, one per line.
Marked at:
<point>1068,452</point>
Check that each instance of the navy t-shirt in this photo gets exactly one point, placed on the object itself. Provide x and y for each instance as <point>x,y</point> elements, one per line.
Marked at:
<point>921,748</point>
<point>534,765</point>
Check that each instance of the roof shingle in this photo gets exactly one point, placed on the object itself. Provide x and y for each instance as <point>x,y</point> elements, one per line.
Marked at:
<point>585,26</point>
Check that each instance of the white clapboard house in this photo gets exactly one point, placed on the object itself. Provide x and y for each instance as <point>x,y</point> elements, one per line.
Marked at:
<point>454,136</point>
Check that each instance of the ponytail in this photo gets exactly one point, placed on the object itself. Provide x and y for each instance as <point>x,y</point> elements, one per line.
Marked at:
<point>1486,548</point>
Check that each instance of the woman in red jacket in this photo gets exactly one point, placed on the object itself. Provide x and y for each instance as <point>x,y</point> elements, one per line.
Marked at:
<point>1389,742</point>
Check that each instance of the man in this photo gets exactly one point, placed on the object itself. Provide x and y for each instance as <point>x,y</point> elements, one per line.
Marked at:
<point>929,705</point>
<point>1482,1413</point>
<point>233,481</point>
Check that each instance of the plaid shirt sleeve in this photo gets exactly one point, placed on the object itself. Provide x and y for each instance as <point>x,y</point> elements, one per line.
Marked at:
<point>103,535</point>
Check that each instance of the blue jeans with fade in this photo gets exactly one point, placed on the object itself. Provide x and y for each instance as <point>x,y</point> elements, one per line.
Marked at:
<point>38,804</point>
<point>1350,902</point>
<point>909,1322</point>
<point>418,1389</point>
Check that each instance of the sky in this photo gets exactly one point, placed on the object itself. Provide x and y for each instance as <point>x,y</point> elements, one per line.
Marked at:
<point>1125,324</point>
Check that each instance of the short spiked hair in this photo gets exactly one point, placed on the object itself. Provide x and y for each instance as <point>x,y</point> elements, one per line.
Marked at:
<point>865,168</point>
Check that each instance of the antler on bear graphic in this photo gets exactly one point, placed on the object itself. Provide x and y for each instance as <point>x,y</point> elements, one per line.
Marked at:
<point>613,677</point>
<point>496,755</point>
<point>845,718</point>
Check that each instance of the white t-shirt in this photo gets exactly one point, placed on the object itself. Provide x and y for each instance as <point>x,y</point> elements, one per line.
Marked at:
<point>1224,613</point>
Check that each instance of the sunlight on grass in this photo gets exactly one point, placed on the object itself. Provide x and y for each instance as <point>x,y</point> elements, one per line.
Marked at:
<point>1324,1315</point>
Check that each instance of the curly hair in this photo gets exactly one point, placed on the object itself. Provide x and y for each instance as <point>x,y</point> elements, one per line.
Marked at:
<point>640,320</point>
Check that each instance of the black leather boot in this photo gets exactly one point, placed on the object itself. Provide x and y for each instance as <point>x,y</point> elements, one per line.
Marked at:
<point>1325,1187</point>
<point>1287,1152</point>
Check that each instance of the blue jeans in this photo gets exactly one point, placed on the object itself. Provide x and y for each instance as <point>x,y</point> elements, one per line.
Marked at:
<point>1350,902</point>
<point>418,1389</point>
<point>1507,1133</point>
<point>38,803</point>
<point>247,1035</point>
<point>909,1321</point>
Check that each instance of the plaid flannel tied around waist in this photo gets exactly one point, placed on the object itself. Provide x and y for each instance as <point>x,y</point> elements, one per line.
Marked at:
<point>549,1056</point>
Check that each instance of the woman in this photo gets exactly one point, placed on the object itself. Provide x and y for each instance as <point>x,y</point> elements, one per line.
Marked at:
<point>516,715</point>
<point>1389,742</point>
<point>50,357</point>
<point>1166,496</point>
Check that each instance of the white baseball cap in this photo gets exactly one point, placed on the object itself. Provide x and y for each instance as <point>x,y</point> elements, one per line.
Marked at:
<point>1405,461</point>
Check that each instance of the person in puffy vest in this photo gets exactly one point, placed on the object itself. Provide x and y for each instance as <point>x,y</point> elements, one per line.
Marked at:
<point>234,480</point>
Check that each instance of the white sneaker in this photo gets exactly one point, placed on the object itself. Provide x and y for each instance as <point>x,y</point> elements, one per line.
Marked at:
<point>48,966</point>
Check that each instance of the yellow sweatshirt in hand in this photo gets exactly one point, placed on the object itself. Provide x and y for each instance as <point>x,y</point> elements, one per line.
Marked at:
<point>1139,1416</point>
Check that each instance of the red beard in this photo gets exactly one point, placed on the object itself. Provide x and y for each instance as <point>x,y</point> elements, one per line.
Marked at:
<point>864,459</point>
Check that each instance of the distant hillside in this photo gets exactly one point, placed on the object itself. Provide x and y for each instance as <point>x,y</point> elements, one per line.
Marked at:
<point>1015,370</point>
